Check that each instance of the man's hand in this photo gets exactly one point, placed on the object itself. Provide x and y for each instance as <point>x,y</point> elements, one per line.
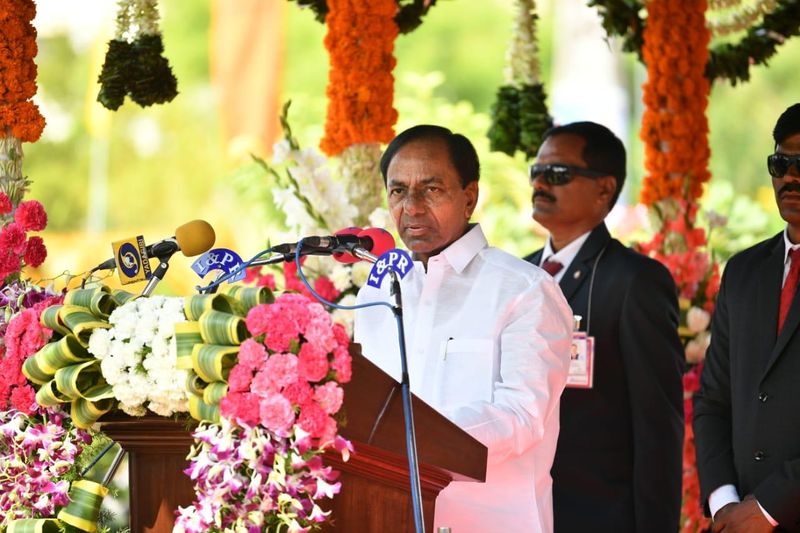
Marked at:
<point>744,517</point>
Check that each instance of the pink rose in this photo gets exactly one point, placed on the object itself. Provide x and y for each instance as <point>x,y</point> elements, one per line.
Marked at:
<point>312,363</point>
<point>329,397</point>
<point>277,414</point>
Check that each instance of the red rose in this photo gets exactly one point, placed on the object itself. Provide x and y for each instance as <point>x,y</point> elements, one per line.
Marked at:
<point>31,216</point>
<point>35,252</point>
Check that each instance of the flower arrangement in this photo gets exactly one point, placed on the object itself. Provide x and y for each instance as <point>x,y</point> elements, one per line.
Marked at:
<point>17,248</point>
<point>519,116</point>
<point>261,466</point>
<point>138,356</point>
<point>21,334</point>
<point>134,63</point>
<point>37,462</point>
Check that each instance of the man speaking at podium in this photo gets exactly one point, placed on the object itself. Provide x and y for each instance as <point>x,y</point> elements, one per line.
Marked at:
<point>487,334</point>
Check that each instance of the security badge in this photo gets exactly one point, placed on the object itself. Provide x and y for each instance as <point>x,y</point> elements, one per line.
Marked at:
<point>581,358</point>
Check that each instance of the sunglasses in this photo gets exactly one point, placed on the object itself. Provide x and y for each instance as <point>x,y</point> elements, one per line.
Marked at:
<point>778,164</point>
<point>558,174</point>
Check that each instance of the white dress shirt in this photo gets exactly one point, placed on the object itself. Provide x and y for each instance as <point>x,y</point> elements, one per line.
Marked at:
<point>726,494</point>
<point>565,256</point>
<point>488,341</point>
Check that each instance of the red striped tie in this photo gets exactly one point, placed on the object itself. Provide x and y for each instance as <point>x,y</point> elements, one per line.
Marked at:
<point>789,286</point>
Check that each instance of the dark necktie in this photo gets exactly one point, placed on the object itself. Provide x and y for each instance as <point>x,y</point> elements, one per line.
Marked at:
<point>554,267</point>
<point>789,286</point>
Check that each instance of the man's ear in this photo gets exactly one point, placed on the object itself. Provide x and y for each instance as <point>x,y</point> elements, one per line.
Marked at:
<point>471,191</point>
<point>607,187</point>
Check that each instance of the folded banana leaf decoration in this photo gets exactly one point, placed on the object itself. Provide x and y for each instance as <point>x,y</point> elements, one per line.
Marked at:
<point>64,369</point>
<point>208,344</point>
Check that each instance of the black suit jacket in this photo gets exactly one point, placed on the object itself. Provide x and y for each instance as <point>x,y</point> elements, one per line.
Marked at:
<point>620,448</point>
<point>747,412</point>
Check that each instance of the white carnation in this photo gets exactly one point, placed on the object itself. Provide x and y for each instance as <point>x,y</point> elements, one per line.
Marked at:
<point>697,320</point>
<point>360,273</point>
<point>696,348</point>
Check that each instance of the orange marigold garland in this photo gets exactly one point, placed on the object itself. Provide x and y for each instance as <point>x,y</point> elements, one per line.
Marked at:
<point>674,124</point>
<point>360,41</point>
<point>19,116</point>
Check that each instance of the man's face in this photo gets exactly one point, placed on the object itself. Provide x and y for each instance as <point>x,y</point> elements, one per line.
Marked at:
<point>787,188</point>
<point>583,201</point>
<point>429,206</point>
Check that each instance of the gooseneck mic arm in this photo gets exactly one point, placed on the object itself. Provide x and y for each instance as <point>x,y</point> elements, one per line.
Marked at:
<point>157,275</point>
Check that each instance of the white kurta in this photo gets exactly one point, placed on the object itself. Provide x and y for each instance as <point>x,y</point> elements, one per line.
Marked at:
<point>488,341</point>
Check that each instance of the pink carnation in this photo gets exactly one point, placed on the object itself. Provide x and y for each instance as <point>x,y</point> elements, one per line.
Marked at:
<point>342,364</point>
<point>23,399</point>
<point>31,216</point>
<point>252,354</point>
<point>277,414</point>
<point>25,336</point>
<point>312,363</point>
<point>313,420</point>
<point>12,237</point>
<point>326,289</point>
<point>240,378</point>
<point>329,396</point>
<point>299,392</point>
<point>258,319</point>
<point>240,406</point>
<point>254,276</point>
<point>35,252</point>
<point>340,334</point>
<point>5,204</point>
<point>282,368</point>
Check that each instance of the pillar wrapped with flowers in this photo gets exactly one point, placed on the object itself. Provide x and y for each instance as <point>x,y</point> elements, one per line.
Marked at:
<point>675,135</point>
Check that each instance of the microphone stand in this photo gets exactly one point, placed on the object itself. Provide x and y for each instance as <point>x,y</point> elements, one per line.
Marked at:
<point>157,276</point>
<point>405,390</point>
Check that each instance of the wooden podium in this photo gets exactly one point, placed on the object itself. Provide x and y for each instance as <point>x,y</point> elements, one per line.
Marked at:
<point>376,492</point>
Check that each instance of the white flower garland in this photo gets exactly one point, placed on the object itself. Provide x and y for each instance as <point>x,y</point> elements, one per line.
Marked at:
<point>522,56</point>
<point>138,355</point>
<point>734,20</point>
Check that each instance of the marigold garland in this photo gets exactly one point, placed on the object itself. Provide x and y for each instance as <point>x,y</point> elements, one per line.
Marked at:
<point>408,16</point>
<point>674,123</point>
<point>19,116</point>
<point>360,42</point>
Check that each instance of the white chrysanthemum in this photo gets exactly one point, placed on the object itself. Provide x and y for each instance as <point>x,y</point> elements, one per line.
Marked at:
<point>100,343</point>
<point>340,277</point>
<point>381,218</point>
<point>360,273</point>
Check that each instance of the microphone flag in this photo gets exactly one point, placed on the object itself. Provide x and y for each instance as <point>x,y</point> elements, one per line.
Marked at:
<point>398,260</point>
<point>131,258</point>
<point>220,259</point>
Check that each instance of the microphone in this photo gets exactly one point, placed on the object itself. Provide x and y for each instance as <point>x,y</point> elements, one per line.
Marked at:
<point>370,240</point>
<point>192,238</point>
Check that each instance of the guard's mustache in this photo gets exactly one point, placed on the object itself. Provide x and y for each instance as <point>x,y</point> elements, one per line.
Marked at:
<point>546,195</point>
<point>791,186</point>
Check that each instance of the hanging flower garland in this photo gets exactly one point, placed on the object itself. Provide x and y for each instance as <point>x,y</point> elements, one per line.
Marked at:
<point>731,61</point>
<point>519,116</point>
<point>674,123</point>
<point>134,63</point>
<point>19,117</point>
<point>724,19</point>
<point>408,16</point>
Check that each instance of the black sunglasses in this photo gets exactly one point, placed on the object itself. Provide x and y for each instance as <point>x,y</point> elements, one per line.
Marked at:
<point>778,164</point>
<point>558,174</point>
